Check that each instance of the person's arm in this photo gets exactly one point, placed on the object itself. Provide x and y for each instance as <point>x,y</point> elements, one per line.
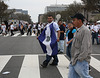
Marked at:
<point>86,46</point>
<point>58,33</point>
<point>61,31</point>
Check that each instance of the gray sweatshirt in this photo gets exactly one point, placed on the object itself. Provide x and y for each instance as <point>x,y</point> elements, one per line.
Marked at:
<point>82,45</point>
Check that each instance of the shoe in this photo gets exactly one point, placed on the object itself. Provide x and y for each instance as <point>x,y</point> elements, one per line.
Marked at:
<point>60,52</point>
<point>89,68</point>
<point>53,64</point>
<point>43,66</point>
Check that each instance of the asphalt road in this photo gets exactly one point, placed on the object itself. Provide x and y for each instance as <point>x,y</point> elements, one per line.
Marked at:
<point>21,56</point>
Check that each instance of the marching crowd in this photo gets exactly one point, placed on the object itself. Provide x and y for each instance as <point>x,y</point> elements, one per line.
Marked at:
<point>77,37</point>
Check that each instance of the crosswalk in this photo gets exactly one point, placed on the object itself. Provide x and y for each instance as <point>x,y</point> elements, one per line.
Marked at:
<point>29,66</point>
<point>17,34</point>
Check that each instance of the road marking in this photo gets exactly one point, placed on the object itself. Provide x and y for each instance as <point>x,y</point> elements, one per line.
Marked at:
<point>3,61</point>
<point>96,54</point>
<point>25,34</point>
<point>7,35</point>
<point>16,35</point>
<point>95,63</point>
<point>30,67</point>
<point>0,34</point>
<point>62,66</point>
<point>33,34</point>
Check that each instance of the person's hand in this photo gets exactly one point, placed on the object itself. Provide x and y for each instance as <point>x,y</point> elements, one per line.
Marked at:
<point>37,37</point>
<point>68,42</point>
<point>64,38</point>
<point>58,40</point>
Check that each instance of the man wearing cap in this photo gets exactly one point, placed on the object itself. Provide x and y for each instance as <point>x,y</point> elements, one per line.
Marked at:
<point>81,49</point>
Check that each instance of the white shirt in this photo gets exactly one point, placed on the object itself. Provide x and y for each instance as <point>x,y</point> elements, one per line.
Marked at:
<point>99,26</point>
<point>55,25</point>
<point>12,27</point>
<point>42,26</point>
<point>39,27</point>
<point>34,26</point>
<point>29,26</point>
<point>95,28</point>
<point>3,27</point>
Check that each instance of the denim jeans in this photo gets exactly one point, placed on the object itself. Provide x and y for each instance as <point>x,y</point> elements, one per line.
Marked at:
<point>61,45</point>
<point>95,36</point>
<point>79,70</point>
<point>68,50</point>
<point>48,58</point>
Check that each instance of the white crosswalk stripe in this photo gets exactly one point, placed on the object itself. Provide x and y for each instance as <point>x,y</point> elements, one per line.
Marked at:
<point>3,61</point>
<point>63,65</point>
<point>33,34</point>
<point>30,69</point>
<point>30,65</point>
<point>7,35</point>
<point>95,63</point>
<point>25,34</point>
<point>16,35</point>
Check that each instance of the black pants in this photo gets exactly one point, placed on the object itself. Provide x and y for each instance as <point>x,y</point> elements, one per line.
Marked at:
<point>29,30</point>
<point>95,36</point>
<point>48,58</point>
<point>38,32</point>
<point>12,32</point>
<point>22,32</point>
<point>41,30</point>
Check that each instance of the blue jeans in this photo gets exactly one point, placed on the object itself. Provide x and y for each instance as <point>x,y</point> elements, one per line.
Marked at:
<point>68,50</point>
<point>79,70</point>
<point>61,45</point>
<point>48,58</point>
<point>95,36</point>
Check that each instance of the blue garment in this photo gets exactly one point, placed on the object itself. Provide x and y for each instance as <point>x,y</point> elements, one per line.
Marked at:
<point>49,42</point>
<point>73,31</point>
<point>79,70</point>
<point>68,51</point>
<point>95,36</point>
<point>61,45</point>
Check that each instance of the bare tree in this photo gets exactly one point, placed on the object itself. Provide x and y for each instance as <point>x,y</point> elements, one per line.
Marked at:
<point>92,5</point>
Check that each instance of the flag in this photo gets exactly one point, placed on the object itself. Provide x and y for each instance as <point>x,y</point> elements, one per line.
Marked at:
<point>48,41</point>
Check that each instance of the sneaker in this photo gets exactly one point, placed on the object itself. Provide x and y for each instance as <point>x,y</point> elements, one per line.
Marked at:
<point>89,68</point>
<point>43,66</point>
<point>60,52</point>
<point>53,64</point>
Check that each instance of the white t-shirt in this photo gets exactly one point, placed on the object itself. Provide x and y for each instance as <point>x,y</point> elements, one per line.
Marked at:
<point>39,27</point>
<point>42,26</point>
<point>12,27</point>
<point>95,28</point>
<point>29,26</point>
<point>55,25</point>
<point>34,26</point>
<point>99,26</point>
<point>3,28</point>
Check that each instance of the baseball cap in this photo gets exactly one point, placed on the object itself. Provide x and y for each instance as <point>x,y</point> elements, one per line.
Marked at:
<point>78,16</point>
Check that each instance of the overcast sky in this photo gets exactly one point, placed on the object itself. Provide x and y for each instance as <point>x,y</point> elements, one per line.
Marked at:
<point>35,7</point>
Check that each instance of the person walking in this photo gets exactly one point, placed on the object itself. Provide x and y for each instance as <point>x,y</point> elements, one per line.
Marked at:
<point>70,34</point>
<point>22,29</point>
<point>48,41</point>
<point>12,28</point>
<point>29,29</point>
<point>61,42</point>
<point>3,28</point>
<point>81,49</point>
<point>95,30</point>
